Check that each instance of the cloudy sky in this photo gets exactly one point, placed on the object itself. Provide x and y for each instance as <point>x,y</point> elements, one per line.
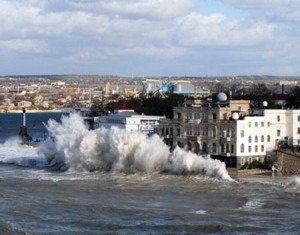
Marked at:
<point>150,37</point>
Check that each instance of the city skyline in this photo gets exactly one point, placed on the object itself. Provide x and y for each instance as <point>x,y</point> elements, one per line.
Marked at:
<point>150,37</point>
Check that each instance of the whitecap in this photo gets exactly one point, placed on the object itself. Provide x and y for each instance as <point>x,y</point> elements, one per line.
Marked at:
<point>253,204</point>
<point>200,212</point>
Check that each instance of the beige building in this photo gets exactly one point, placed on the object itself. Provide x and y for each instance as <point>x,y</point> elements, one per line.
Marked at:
<point>230,130</point>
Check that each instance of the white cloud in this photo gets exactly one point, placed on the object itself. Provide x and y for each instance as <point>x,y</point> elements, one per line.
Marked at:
<point>149,9</point>
<point>274,10</point>
<point>152,32</point>
<point>25,45</point>
<point>217,29</point>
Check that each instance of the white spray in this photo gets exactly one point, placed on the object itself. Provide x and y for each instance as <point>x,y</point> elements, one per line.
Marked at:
<point>116,150</point>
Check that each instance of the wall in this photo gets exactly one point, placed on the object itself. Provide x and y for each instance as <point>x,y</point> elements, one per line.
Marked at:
<point>289,162</point>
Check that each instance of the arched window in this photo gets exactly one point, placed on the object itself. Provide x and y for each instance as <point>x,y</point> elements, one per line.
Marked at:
<point>256,139</point>
<point>249,139</point>
<point>262,138</point>
<point>269,138</point>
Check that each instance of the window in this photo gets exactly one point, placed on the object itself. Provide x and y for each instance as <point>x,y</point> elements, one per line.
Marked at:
<point>249,139</point>
<point>242,148</point>
<point>262,138</point>
<point>262,124</point>
<point>262,148</point>
<point>242,161</point>
<point>298,130</point>
<point>269,138</point>
<point>242,133</point>
<point>232,148</point>
<point>256,148</point>
<point>249,149</point>
<point>256,124</point>
<point>299,118</point>
<point>178,131</point>
<point>214,147</point>
<point>278,133</point>
<point>214,133</point>
<point>278,118</point>
<point>163,131</point>
<point>179,115</point>
<point>256,139</point>
<point>214,116</point>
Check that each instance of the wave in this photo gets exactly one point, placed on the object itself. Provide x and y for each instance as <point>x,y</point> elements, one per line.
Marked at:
<point>12,152</point>
<point>77,148</point>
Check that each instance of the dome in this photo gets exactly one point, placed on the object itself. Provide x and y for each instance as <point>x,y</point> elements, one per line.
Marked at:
<point>235,116</point>
<point>221,97</point>
<point>265,104</point>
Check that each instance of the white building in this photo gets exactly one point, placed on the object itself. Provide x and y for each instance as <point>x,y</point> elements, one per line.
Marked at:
<point>230,130</point>
<point>152,86</point>
<point>258,136</point>
<point>128,120</point>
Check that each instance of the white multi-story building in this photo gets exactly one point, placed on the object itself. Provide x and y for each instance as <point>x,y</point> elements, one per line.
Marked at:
<point>231,130</point>
<point>128,120</point>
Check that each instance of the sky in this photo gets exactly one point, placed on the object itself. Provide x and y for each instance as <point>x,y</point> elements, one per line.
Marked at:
<point>150,37</point>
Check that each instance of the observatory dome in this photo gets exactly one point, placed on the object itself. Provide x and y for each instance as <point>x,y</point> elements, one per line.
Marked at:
<point>221,97</point>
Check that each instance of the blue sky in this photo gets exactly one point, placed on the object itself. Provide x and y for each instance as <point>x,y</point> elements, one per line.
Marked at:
<point>150,37</point>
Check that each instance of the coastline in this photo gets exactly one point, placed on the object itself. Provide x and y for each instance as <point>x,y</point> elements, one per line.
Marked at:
<point>36,111</point>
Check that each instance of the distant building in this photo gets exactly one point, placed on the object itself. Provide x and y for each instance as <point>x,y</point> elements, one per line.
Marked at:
<point>152,86</point>
<point>185,87</point>
<point>24,104</point>
<point>38,100</point>
<point>127,119</point>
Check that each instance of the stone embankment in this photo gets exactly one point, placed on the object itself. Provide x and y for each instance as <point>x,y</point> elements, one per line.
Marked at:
<point>289,161</point>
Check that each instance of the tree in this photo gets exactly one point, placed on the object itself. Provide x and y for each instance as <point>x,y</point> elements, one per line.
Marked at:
<point>259,93</point>
<point>293,99</point>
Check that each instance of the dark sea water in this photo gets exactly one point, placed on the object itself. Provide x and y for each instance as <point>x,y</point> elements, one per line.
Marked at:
<point>105,191</point>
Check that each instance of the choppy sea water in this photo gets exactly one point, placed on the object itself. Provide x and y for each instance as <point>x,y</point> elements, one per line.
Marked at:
<point>97,195</point>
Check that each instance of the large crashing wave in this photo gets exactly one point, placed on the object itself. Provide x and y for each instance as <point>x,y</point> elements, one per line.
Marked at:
<point>116,150</point>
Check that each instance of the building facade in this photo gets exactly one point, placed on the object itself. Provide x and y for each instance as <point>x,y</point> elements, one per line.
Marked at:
<point>230,130</point>
<point>128,120</point>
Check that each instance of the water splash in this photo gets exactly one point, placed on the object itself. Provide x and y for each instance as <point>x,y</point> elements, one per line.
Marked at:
<point>116,150</point>
<point>293,184</point>
<point>12,152</point>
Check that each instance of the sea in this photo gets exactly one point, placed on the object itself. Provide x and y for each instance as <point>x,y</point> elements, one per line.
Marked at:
<point>108,181</point>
